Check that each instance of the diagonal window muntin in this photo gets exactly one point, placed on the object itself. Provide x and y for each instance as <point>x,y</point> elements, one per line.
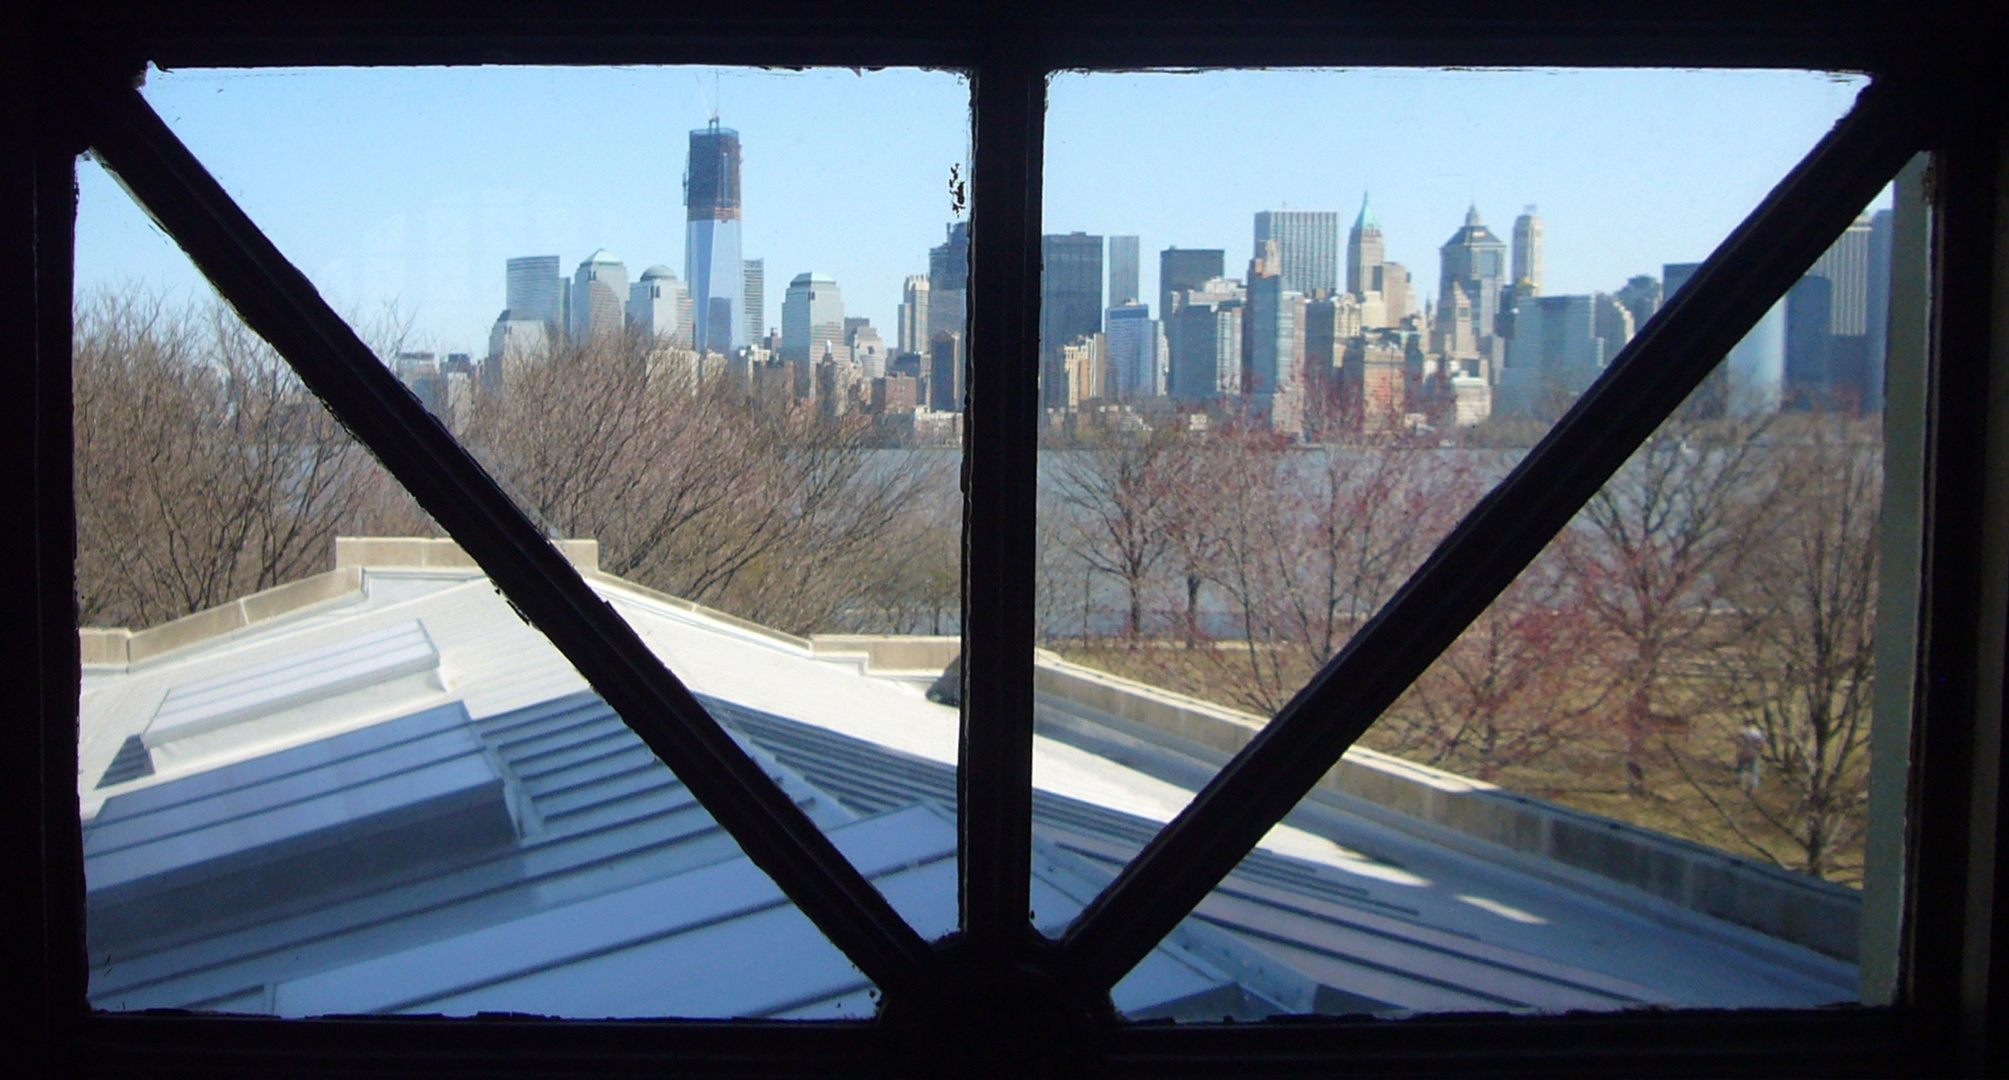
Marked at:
<point>1499,536</point>
<point>236,257</point>
<point>1775,244</point>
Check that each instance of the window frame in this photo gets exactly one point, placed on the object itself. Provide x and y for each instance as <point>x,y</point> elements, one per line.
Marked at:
<point>1953,941</point>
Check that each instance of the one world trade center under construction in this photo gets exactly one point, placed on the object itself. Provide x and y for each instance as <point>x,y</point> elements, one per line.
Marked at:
<point>711,240</point>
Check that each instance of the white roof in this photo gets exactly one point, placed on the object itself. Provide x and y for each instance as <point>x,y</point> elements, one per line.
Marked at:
<point>492,661</point>
<point>416,638</point>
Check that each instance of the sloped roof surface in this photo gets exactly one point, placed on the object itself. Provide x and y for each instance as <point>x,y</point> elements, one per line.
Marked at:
<point>598,886</point>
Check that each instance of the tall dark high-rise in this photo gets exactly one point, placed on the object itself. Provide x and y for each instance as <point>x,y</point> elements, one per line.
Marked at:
<point>1828,322</point>
<point>949,283</point>
<point>1812,364</point>
<point>1476,261</point>
<point>949,262</point>
<point>1204,333</point>
<point>1273,344</point>
<point>712,264</point>
<point>1070,302</point>
<point>1180,269</point>
<point>945,372</point>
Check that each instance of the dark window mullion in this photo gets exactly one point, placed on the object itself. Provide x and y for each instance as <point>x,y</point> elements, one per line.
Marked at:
<point>994,777</point>
<point>1648,380</point>
<point>43,864</point>
<point>1953,953</point>
<point>279,303</point>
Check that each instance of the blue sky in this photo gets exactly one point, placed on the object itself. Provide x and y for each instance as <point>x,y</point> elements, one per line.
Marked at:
<point>409,187</point>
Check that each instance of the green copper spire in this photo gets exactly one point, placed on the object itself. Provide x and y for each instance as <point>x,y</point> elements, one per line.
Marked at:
<point>1366,220</point>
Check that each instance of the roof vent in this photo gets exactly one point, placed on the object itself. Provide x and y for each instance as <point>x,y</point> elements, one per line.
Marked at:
<point>261,689</point>
<point>331,815</point>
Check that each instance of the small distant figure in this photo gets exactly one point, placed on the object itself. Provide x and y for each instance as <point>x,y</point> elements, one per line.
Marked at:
<point>1750,757</point>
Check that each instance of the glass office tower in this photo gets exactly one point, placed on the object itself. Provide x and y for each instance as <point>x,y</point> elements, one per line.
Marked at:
<point>712,263</point>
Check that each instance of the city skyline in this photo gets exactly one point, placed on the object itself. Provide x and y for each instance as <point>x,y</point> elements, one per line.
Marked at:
<point>218,112</point>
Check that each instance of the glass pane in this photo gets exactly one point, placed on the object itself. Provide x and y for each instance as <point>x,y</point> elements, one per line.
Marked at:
<point>1236,481</point>
<point>762,481</point>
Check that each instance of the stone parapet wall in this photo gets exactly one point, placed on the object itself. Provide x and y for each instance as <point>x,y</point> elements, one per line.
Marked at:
<point>1793,907</point>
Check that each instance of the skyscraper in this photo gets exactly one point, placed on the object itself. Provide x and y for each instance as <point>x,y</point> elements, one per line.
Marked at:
<point>945,372</point>
<point>1641,296</point>
<point>812,316</point>
<point>1476,261</point>
<point>1751,380</point>
<point>949,282</point>
<point>1123,256</point>
<point>712,266</point>
<point>755,280</point>
<point>1083,371</point>
<point>914,302</point>
<point>1554,355</point>
<point>599,296</point>
<point>949,263</point>
<point>1181,269</point>
<point>1070,301</point>
<point>535,317</point>
<point>1877,321</point>
<point>868,349</point>
<point>1329,323</point>
<point>1374,392</point>
<point>1527,269</point>
<point>1614,323</point>
<point>1811,355</point>
<point>1398,294</point>
<point>1828,320</point>
<point>1133,354</point>
<point>660,305</point>
<point>1364,251</point>
<point>1273,349</point>
<point>1307,247</point>
<point>1204,333</point>
<point>536,289</point>
<point>1452,332</point>
<point>1847,265</point>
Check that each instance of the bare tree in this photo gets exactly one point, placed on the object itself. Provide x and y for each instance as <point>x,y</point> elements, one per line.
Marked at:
<point>1113,493</point>
<point>719,491</point>
<point>1800,672</point>
<point>1373,513</point>
<point>204,470</point>
<point>1192,524</point>
<point>1654,549</point>
<point>1507,693</point>
<point>1304,545</point>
